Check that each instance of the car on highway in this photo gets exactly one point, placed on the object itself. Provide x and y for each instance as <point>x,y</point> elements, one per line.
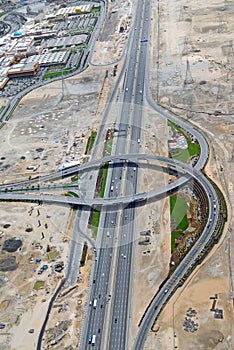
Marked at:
<point>126,89</point>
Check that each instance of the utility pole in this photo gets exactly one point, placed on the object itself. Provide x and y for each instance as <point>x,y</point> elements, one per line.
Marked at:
<point>219,95</point>
<point>188,75</point>
<point>185,48</point>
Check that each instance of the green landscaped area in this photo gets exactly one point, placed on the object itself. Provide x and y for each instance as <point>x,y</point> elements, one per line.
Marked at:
<point>178,210</point>
<point>95,9</point>
<point>76,177</point>
<point>184,155</point>
<point>91,142</point>
<point>104,177</point>
<point>71,194</point>
<point>95,222</point>
<point>38,285</point>
<point>53,255</point>
<point>174,235</point>
<point>51,75</point>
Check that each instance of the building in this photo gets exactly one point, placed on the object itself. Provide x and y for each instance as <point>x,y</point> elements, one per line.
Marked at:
<point>23,70</point>
<point>74,10</point>
<point>17,34</point>
<point>50,58</point>
<point>3,81</point>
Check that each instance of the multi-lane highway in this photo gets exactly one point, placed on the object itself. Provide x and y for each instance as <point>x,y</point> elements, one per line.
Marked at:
<point>113,333</point>
<point>95,319</point>
<point>109,317</point>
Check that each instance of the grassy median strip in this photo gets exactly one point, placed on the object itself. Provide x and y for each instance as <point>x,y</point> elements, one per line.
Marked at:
<point>91,141</point>
<point>104,177</point>
<point>95,221</point>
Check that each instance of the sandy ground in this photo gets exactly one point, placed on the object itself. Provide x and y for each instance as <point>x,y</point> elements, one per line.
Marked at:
<point>194,41</point>
<point>51,123</point>
<point>151,261</point>
<point>20,302</point>
<point>111,43</point>
<point>42,132</point>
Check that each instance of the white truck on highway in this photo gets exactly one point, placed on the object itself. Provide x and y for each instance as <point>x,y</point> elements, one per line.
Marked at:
<point>95,303</point>
<point>93,340</point>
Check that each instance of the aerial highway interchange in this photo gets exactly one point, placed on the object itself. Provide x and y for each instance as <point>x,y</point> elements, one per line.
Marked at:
<point>109,320</point>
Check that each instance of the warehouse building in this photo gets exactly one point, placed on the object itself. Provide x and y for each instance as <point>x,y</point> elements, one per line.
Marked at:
<point>23,70</point>
<point>50,58</point>
<point>65,41</point>
<point>74,10</point>
<point>3,80</point>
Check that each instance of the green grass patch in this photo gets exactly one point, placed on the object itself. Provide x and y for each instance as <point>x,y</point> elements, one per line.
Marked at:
<point>178,209</point>
<point>71,194</point>
<point>183,155</point>
<point>53,255</point>
<point>104,177</point>
<point>95,222</point>
<point>95,9</point>
<point>56,68</point>
<point>50,75</point>
<point>91,142</point>
<point>75,178</point>
<point>174,235</point>
<point>38,285</point>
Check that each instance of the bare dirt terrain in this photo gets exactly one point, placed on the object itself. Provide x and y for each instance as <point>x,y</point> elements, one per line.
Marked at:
<point>43,232</point>
<point>42,132</point>
<point>51,119</point>
<point>151,259</point>
<point>195,80</point>
<point>111,43</point>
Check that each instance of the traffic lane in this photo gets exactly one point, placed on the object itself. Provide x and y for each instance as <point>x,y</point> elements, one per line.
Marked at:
<point>96,320</point>
<point>103,264</point>
<point>121,144</point>
<point>120,313</point>
<point>118,330</point>
<point>120,267</point>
